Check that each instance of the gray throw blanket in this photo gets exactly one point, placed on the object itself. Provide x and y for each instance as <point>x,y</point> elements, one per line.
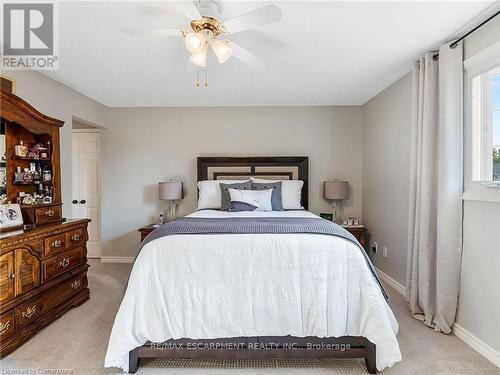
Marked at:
<point>258,225</point>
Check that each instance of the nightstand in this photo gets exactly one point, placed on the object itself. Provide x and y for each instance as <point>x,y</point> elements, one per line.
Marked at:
<point>146,230</point>
<point>357,231</point>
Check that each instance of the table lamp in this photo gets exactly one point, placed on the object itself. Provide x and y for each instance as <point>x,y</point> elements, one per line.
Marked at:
<point>170,191</point>
<point>336,191</point>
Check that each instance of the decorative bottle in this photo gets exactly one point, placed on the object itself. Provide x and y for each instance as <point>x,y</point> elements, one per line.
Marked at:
<point>47,174</point>
<point>21,149</point>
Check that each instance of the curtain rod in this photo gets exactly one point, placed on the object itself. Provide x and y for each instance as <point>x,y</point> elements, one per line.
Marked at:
<point>454,44</point>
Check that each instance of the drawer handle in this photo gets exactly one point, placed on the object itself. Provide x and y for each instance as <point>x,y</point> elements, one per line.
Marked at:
<point>30,311</point>
<point>4,327</point>
<point>75,237</point>
<point>76,284</point>
<point>12,275</point>
<point>56,243</point>
<point>50,213</point>
<point>64,262</point>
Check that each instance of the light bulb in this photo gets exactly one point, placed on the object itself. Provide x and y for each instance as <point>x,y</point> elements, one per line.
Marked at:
<point>195,42</point>
<point>222,50</point>
<point>199,58</point>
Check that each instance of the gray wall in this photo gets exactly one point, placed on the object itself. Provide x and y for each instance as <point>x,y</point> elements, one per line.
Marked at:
<point>386,156</point>
<point>482,38</point>
<point>479,299</point>
<point>143,146</point>
<point>386,163</point>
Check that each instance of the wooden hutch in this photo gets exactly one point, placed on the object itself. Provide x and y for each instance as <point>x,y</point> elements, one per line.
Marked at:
<point>43,265</point>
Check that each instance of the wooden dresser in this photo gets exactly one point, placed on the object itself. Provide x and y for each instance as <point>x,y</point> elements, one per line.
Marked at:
<point>43,273</point>
<point>43,265</point>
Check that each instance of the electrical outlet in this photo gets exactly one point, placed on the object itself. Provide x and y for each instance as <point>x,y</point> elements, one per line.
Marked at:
<point>375,247</point>
<point>384,252</point>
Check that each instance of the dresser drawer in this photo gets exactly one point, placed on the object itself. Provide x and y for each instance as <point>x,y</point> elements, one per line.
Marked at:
<point>74,238</point>
<point>55,244</point>
<point>6,325</point>
<point>35,308</point>
<point>59,264</point>
<point>47,214</point>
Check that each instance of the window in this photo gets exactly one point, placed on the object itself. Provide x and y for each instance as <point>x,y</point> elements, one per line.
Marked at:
<point>482,125</point>
<point>485,116</point>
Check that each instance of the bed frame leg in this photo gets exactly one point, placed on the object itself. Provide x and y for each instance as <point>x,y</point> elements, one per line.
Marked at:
<point>133,361</point>
<point>370,357</point>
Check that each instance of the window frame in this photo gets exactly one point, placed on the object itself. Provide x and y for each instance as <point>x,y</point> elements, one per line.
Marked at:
<point>474,66</point>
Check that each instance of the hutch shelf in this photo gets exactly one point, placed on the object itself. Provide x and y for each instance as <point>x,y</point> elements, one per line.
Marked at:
<point>43,265</point>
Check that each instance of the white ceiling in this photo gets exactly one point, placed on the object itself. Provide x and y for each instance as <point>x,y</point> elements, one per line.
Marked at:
<point>320,53</point>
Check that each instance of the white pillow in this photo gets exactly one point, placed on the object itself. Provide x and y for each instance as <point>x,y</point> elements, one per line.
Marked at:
<point>259,198</point>
<point>291,192</point>
<point>209,193</point>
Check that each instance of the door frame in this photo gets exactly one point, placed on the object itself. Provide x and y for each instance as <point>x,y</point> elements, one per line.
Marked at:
<point>98,131</point>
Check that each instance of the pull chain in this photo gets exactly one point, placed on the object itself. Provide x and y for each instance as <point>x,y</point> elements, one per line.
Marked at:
<point>198,76</point>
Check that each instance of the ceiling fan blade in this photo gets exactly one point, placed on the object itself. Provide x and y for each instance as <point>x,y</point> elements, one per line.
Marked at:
<point>151,31</point>
<point>256,18</point>
<point>189,9</point>
<point>246,56</point>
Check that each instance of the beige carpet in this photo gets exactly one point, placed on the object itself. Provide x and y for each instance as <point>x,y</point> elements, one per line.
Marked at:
<point>77,342</point>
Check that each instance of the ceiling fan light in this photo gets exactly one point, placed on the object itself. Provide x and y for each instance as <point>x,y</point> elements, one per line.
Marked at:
<point>199,58</point>
<point>222,50</point>
<point>195,42</point>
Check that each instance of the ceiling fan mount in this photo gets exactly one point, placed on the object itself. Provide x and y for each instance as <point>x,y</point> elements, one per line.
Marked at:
<point>208,23</point>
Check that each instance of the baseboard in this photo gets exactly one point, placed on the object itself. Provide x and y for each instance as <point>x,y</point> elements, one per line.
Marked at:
<point>391,282</point>
<point>478,345</point>
<point>94,251</point>
<point>475,343</point>
<point>117,259</point>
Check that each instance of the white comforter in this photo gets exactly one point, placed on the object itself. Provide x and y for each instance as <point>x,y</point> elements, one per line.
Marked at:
<point>215,286</point>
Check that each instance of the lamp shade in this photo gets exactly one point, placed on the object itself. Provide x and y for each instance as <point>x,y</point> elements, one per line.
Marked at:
<point>222,50</point>
<point>336,190</point>
<point>170,190</point>
<point>199,58</point>
<point>195,42</point>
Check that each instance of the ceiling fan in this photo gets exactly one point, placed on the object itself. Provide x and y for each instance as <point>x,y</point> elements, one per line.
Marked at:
<point>208,31</point>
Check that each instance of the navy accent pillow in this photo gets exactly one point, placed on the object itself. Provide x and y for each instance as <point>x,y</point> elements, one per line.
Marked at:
<point>224,192</point>
<point>237,206</point>
<point>276,194</point>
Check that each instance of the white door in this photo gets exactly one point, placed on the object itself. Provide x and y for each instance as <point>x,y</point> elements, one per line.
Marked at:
<point>87,185</point>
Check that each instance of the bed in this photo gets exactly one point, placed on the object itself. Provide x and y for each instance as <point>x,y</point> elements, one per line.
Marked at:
<point>275,292</point>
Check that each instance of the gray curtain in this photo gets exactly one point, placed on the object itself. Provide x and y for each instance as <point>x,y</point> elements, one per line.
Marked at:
<point>435,217</point>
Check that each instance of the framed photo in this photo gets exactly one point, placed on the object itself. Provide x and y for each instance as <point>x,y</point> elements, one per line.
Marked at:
<point>326,216</point>
<point>10,216</point>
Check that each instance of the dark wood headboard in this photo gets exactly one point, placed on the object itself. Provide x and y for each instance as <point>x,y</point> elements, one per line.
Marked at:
<point>273,168</point>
